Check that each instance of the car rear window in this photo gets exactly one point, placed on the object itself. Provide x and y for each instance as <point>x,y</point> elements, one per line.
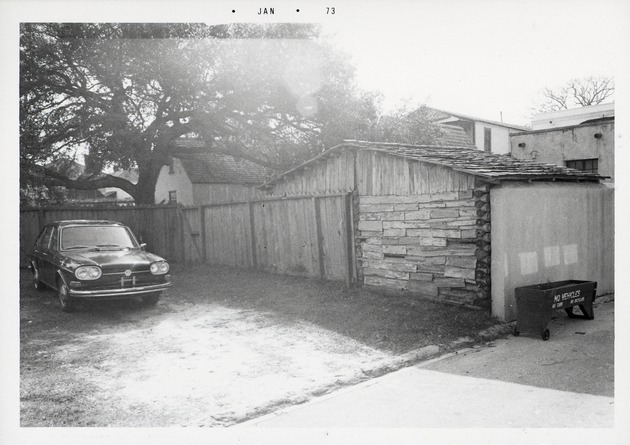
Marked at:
<point>96,236</point>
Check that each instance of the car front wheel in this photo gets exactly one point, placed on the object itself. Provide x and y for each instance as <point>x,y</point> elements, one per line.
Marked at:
<point>151,299</point>
<point>66,301</point>
<point>36,278</point>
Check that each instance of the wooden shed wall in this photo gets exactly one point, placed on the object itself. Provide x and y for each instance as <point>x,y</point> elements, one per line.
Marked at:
<point>220,193</point>
<point>328,175</point>
<point>372,174</point>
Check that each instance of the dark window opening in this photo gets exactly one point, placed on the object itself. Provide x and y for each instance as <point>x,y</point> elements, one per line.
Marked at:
<point>487,139</point>
<point>585,165</point>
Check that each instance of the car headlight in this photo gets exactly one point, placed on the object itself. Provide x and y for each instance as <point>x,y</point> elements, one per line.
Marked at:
<point>159,268</point>
<point>88,273</point>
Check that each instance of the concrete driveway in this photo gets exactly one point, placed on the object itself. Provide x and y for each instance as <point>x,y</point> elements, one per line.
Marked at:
<point>516,382</point>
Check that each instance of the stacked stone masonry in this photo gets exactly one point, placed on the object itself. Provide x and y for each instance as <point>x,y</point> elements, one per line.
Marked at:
<point>425,244</point>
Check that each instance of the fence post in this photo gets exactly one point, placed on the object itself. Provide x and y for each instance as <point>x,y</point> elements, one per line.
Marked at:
<point>349,226</point>
<point>182,235</point>
<point>320,238</point>
<point>40,218</point>
<point>252,235</point>
<point>202,231</point>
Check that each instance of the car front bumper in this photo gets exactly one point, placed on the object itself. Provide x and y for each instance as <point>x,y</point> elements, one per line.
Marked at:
<point>121,292</point>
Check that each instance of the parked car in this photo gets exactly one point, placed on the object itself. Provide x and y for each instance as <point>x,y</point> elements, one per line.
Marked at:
<point>85,259</point>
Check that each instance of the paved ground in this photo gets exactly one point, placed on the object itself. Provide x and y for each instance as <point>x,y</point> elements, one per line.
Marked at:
<point>518,382</point>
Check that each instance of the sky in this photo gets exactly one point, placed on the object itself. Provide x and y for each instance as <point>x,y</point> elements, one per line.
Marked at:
<point>484,58</point>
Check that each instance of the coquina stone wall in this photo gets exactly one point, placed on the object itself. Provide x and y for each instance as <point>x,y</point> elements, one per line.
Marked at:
<point>433,245</point>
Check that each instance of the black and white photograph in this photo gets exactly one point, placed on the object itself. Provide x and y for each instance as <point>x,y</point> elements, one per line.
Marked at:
<point>315,222</point>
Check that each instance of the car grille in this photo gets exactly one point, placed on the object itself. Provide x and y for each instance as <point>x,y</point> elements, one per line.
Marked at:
<point>118,280</point>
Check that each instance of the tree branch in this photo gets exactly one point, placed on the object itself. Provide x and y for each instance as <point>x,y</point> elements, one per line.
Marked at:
<point>50,177</point>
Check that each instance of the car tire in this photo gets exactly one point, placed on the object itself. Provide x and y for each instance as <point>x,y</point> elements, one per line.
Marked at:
<point>67,303</point>
<point>36,278</point>
<point>151,299</point>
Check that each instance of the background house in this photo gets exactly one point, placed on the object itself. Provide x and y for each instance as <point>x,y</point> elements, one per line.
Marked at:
<point>485,134</point>
<point>582,138</point>
<point>461,225</point>
<point>197,177</point>
<point>573,116</point>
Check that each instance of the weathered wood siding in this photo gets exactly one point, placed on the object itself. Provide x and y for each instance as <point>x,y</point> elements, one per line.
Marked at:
<point>379,174</point>
<point>304,236</point>
<point>227,235</point>
<point>371,173</point>
<point>220,193</point>
<point>328,175</point>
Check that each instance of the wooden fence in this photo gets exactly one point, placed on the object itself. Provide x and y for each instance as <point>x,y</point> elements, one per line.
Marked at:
<point>308,236</point>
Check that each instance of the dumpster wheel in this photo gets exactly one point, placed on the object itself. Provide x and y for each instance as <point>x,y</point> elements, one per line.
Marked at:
<point>545,334</point>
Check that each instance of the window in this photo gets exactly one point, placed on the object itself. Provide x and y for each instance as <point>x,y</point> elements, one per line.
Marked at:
<point>81,237</point>
<point>54,243</point>
<point>172,196</point>
<point>45,238</point>
<point>585,165</point>
<point>487,139</point>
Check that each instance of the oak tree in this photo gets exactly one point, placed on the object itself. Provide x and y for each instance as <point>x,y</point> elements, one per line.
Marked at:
<point>121,94</point>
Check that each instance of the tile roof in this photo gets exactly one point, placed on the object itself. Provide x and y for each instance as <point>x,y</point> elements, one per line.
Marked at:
<point>219,168</point>
<point>489,166</point>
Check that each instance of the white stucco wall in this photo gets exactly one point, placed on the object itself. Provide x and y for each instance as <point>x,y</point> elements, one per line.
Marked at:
<point>500,137</point>
<point>550,232</point>
<point>178,180</point>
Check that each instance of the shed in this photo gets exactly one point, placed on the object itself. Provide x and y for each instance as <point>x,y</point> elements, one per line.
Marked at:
<point>460,225</point>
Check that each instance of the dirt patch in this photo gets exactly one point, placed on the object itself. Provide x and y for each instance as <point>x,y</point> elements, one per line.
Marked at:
<point>222,346</point>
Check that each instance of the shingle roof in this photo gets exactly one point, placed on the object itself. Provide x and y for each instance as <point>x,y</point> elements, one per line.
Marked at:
<point>218,168</point>
<point>489,166</point>
<point>454,136</point>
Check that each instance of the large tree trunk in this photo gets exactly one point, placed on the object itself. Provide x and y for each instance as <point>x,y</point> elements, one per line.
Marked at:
<point>148,173</point>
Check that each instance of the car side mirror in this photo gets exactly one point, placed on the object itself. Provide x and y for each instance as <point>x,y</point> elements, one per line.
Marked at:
<point>143,245</point>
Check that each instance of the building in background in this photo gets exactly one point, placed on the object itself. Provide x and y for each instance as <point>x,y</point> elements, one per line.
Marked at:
<point>580,138</point>
<point>198,176</point>
<point>485,134</point>
<point>572,117</point>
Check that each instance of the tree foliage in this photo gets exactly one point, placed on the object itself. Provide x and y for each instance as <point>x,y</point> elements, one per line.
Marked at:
<point>408,124</point>
<point>577,92</point>
<point>122,93</point>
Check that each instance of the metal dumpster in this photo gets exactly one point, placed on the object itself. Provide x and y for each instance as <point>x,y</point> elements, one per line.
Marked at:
<point>535,304</point>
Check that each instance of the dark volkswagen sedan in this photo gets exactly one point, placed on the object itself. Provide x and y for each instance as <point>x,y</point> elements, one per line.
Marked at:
<point>85,259</point>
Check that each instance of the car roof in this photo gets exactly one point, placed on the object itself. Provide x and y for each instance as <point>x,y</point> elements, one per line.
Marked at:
<point>86,222</point>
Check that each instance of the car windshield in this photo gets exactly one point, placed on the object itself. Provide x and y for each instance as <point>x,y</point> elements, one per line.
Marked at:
<point>100,237</point>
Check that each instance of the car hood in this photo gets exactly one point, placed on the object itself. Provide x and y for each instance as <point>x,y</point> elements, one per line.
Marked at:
<point>113,258</point>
